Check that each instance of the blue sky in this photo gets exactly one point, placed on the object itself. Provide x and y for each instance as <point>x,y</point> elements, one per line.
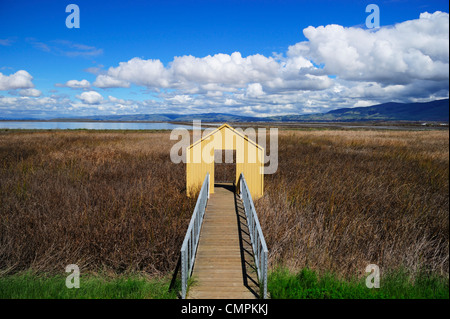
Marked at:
<point>243,57</point>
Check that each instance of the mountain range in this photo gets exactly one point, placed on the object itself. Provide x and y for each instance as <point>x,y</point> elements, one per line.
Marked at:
<point>435,111</point>
<point>430,111</point>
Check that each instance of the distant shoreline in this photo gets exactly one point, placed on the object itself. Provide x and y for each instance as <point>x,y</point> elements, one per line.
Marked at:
<point>352,125</point>
<point>103,121</point>
<point>358,122</point>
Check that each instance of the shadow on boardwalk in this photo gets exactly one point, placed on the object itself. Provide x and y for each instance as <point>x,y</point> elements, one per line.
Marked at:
<point>249,272</point>
<point>224,264</point>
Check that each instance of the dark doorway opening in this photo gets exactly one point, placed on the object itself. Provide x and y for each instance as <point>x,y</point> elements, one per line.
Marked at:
<point>224,166</point>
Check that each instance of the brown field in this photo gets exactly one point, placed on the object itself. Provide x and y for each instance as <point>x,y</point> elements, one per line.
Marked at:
<point>105,201</point>
<point>344,199</point>
<point>113,201</point>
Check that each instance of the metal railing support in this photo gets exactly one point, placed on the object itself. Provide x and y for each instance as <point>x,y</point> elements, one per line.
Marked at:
<point>190,243</point>
<point>260,250</point>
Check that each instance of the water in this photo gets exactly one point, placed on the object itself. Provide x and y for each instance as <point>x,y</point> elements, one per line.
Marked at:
<point>32,125</point>
<point>36,125</point>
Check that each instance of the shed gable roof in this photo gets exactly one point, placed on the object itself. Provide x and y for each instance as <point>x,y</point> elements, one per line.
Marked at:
<point>230,128</point>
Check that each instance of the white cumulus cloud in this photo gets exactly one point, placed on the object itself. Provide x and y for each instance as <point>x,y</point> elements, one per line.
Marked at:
<point>106,81</point>
<point>254,90</point>
<point>222,71</point>
<point>411,50</point>
<point>75,84</point>
<point>90,97</point>
<point>30,92</point>
<point>19,80</point>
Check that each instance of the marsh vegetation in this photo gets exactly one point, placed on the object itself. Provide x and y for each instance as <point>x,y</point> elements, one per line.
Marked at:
<point>113,202</point>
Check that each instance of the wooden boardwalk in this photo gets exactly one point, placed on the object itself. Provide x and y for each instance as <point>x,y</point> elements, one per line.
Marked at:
<point>224,267</point>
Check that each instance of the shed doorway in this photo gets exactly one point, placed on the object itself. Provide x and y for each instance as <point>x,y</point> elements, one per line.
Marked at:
<point>225,166</point>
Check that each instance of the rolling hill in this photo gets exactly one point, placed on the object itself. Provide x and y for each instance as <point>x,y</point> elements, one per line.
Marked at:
<point>430,111</point>
<point>437,111</point>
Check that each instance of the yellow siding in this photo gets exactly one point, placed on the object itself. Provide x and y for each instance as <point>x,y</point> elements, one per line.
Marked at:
<point>249,160</point>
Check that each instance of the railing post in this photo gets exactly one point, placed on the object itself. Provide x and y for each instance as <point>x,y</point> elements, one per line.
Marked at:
<point>240,185</point>
<point>207,175</point>
<point>183,274</point>
<point>265,275</point>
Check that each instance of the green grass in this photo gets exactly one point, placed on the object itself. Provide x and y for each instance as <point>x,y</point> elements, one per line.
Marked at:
<point>307,284</point>
<point>32,286</point>
<point>282,284</point>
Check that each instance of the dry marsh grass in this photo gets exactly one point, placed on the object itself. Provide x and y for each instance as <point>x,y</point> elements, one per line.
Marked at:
<point>114,201</point>
<point>341,200</point>
<point>110,201</point>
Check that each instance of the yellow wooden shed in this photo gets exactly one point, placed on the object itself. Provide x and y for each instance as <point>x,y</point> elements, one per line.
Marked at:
<point>249,160</point>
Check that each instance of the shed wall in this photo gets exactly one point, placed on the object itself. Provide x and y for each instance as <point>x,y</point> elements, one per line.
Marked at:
<point>249,160</point>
